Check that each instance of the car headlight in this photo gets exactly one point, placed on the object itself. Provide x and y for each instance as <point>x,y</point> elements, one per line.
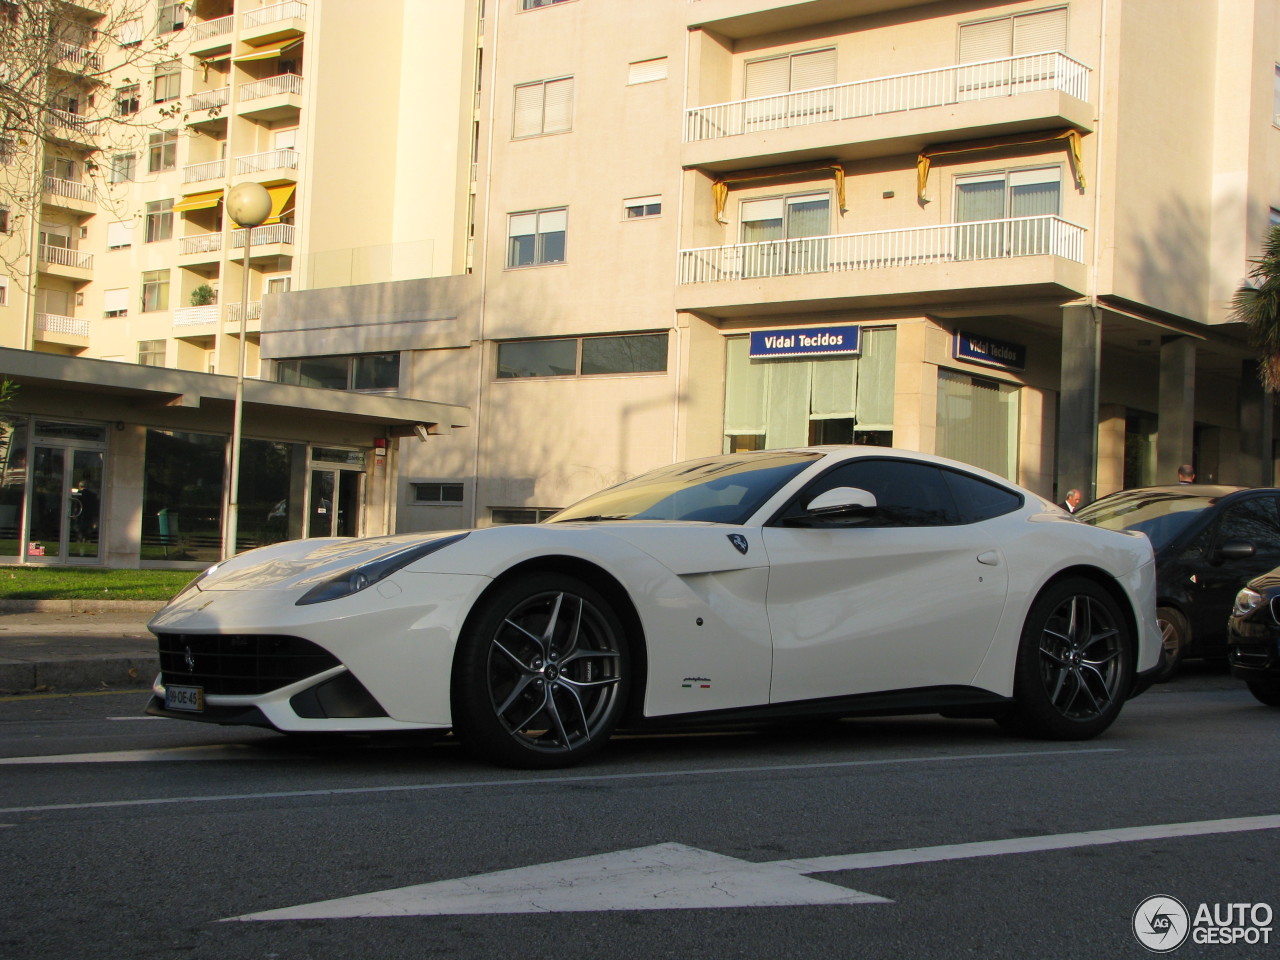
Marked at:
<point>1247,601</point>
<point>367,574</point>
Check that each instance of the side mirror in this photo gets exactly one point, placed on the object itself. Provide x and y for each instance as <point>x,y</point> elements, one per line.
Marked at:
<point>839,501</point>
<point>1236,550</point>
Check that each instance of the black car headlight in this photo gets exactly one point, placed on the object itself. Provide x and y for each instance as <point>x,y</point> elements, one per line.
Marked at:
<point>1247,601</point>
<point>367,574</point>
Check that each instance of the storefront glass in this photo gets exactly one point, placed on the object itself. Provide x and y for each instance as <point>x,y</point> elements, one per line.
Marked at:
<point>13,481</point>
<point>978,422</point>
<point>182,496</point>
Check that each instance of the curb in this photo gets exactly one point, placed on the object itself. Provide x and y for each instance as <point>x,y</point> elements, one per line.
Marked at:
<point>121,672</point>
<point>81,606</point>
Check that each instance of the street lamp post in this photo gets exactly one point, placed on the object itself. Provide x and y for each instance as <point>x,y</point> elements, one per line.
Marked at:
<point>249,205</point>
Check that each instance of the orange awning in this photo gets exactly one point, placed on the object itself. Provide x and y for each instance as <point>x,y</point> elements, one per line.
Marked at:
<point>281,201</point>
<point>198,201</point>
<point>268,50</point>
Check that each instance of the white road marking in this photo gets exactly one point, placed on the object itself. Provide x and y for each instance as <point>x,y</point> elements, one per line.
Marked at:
<point>672,876</point>
<point>480,784</point>
<point>220,751</point>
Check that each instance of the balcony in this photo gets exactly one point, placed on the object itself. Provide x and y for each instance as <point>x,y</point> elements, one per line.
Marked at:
<point>738,19</point>
<point>269,242</point>
<point>69,194</point>
<point>65,262</point>
<point>68,331</point>
<point>893,115</point>
<point>272,161</point>
<point>207,103</point>
<point>273,98</point>
<point>75,59</point>
<point>275,22</point>
<point>1039,255</point>
<point>70,128</point>
<point>209,170</point>
<point>209,35</point>
<point>200,248</point>
<point>253,310</point>
<point>195,316</point>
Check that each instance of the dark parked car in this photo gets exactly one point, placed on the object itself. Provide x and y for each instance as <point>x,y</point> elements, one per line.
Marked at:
<point>1254,638</point>
<point>1209,542</point>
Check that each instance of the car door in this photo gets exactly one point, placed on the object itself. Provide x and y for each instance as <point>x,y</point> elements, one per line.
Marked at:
<point>1215,579</point>
<point>906,596</point>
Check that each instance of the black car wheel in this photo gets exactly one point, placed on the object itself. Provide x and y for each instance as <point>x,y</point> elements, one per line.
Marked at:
<point>542,675</point>
<point>1175,634</point>
<point>1074,666</point>
<point>1266,691</point>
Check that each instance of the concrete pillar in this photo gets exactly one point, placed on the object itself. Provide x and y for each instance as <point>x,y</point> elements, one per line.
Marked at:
<point>1256,426</point>
<point>1078,401</point>
<point>1111,430</point>
<point>1176,439</point>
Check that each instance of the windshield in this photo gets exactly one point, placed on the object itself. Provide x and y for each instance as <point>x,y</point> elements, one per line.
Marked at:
<point>717,489</point>
<point>1161,515</point>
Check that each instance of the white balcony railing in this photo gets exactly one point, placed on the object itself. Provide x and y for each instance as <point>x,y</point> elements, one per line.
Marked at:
<point>190,316</point>
<point>253,309</point>
<point>80,57</point>
<point>271,86</point>
<point>1006,77</point>
<point>209,170</point>
<point>76,124</point>
<point>290,9</point>
<point>66,257</point>
<point>200,243</point>
<point>915,246</point>
<point>285,159</point>
<point>209,99</point>
<point>211,28</point>
<point>70,189</point>
<point>272,233</point>
<point>53,323</point>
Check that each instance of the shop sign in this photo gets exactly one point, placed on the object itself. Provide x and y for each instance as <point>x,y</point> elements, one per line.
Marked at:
<point>804,341</point>
<point>990,353</point>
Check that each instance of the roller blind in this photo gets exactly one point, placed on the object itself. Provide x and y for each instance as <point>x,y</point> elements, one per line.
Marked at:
<point>559,106</point>
<point>1037,32</point>
<point>746,390</point>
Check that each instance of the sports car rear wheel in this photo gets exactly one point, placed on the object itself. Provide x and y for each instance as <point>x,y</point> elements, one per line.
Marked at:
<point>1074,664</point>
<point>541,677</point>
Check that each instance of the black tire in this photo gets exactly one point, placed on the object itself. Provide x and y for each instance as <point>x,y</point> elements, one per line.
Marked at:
<point>542,675</point>
<point>1175,634</point>
<point>1075,664</point>
<point>1266,691</point>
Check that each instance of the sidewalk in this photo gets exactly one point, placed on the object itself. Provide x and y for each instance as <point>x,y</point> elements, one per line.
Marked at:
<point>71,646</point>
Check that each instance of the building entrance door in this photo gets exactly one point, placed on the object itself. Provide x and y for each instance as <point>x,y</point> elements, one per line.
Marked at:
<point>334,504</point>
<point>66,507</point>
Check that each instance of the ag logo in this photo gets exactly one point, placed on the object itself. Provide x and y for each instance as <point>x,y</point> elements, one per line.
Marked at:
<point>739,542</point>
<point>1161,923</point>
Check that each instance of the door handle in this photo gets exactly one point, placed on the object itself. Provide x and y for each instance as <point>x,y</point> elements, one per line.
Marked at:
<point>990,558</point>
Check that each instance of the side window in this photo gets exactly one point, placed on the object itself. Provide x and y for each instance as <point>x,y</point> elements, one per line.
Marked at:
<point>980,499</point>
<point>1255,520</point>
<point>907,494</point>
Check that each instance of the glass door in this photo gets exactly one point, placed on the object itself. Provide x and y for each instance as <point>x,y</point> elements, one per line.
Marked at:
<point>65,519</point>
<point>334,509</point>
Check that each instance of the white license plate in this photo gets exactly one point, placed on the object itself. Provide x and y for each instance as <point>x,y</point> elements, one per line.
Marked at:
<point>184,698</point>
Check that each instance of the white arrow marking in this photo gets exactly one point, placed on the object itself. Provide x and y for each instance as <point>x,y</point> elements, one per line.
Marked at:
<point>672,876</point>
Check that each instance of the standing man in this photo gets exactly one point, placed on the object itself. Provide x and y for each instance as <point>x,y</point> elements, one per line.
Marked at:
<point>1072,501</point>
<point>1186,474</point>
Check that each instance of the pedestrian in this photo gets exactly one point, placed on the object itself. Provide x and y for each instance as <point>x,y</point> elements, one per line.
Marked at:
<point>1186,474</point>
<point>1072,501</point>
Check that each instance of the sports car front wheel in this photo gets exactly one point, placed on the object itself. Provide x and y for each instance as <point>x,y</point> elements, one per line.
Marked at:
<point>542,675</point>
<point>1074,666</point>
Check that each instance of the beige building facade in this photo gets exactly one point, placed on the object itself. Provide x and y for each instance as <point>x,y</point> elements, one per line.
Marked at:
<point>622,234</point>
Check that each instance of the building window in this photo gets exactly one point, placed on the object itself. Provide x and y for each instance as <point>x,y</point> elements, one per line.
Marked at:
<point>584,356</point>
<point>173,17</point>
<point>168,81</point>
<point>647,71</point>
<point>155,291</point>
<point>119,234</point>
<point>1275,98</point>
<point>794,71</point>
<point>4,219</point>
<point>127,100</point>
<point>1016,196</point>
<point>978,422</point>
<point>115,303</point>
<point>1024,33</point>
<point>8,150</point>
<point>159,220</point>
<point>151,353</point>
<point>543,107</point>
<point>130,32</point>
<point>279,284</point>
<point>536,237</point>
<point>162,151</point>
<point>444,493</point>
<point>123,168</point>
<point>500,516</point>
<point>4,291</point>
<point>61,168</point>
<point>534,4</point>
<point>363,372</point>
<point>638,208</point>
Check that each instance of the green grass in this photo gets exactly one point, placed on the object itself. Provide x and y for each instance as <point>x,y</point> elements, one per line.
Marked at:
<point>90,583</point>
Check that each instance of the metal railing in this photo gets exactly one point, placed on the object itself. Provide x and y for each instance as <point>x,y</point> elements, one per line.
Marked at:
<point>284,159</point>
<point>209,170</point>
<point>272,233</point>
<point>200,243</point>
<point>77,124</point>
<point>190,316</point>
<point>1005,77</point>
<point>66,257</point>
<point>54,323</point>
<point>283,83</point>
<point>253,309</point>
<point>70,189</point>
<point>82,57</point>
<point>290,9</point>
<point>209,99</point>
<point>883,249</point>
<point>211,28</point>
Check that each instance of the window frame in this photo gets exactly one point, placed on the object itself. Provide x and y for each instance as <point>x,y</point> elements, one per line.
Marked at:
<point>166,79</point>
<point>162,151</point>
<point>441,500</point>
<point>158,220</point>
<point>578,343</point>
<point>128,99</point>
<point>539,238</point>
<point>643,203</point>
<point>123,168</point>
<point>151,351</point>
<point>155,291</point>
<point>543,130</point>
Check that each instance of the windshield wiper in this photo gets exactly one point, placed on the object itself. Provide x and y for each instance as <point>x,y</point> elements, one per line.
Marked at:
<point>593,518</point>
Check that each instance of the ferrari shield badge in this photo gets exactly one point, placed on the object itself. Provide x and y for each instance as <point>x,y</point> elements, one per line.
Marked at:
<point>739,542</point>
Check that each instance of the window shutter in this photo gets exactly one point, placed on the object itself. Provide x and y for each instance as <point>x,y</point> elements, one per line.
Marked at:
<point>834,389</point>
<point>1041,31</point>
<point>130,32</point>
<point>528,111</point>
<point>559,106</point>
<point>816,68</point>
<point>768,77</point>
<point>987,40</point>
<point>120,234</point>
<point>645,71</point>
<point>553,221</point>
<point>115,300</point>
<point>746,390</point>
<point>523,225</point>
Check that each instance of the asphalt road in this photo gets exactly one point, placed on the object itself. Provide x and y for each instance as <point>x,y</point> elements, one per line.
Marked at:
<point>127,837</point>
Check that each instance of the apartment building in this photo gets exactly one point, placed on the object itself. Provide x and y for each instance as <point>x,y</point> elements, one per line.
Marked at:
<point>620,234</point>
